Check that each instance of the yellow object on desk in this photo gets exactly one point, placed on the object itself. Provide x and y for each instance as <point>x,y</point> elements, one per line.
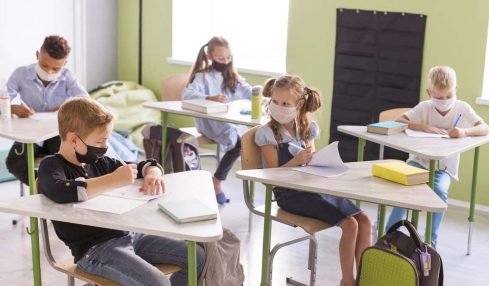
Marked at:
<point>400,172</point>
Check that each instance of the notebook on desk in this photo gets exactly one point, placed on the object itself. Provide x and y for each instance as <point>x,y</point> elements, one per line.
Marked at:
<point>183,211</point>
<point>205,106</point>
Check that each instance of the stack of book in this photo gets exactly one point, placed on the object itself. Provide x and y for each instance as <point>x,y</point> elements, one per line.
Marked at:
<point>204,106</point>
<point>400,172</point>
<point>387,127</point>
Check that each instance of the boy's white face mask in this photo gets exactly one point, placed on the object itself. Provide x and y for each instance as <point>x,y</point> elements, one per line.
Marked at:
<point>46,76</point>
<point>443,104</point>
<point>282,114</point>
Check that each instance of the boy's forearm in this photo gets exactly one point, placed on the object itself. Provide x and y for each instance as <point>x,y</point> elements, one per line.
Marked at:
<point>98,185</point>
<point>478,130</point>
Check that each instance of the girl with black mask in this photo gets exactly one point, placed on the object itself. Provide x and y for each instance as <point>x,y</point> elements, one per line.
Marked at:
<point>214,77</point>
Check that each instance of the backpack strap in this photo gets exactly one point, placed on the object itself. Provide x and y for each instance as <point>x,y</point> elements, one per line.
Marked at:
<point>412,232</point>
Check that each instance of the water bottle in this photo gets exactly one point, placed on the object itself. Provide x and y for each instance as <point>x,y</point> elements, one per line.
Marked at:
<point>256,102</point>
<point>4,102</point>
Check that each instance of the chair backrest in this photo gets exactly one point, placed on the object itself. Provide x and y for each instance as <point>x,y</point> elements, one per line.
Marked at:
<point>250,152</point>
<point>173,86</point>
<point>392,114</point>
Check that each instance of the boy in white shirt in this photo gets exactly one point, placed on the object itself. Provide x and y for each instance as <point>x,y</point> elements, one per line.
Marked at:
<point>442,114</point>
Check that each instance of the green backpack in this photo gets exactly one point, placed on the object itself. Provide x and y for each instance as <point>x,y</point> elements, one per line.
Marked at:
<point>401,260</point>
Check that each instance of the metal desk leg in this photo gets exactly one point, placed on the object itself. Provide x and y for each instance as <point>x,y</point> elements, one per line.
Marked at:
<point>192,263</point>
<point>429,215</point>
<point>361,146</point>
<point>381,221</point>
<point>267,232</point>
<point>252,200</point>
<point>473,192</point>
<point>164,125</point>
<point>33,231</point>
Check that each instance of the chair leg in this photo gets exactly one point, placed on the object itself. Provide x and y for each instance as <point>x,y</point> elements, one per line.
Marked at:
<point>311,265</point>
<point>274,251</point>
<point>71,280</point>
<point>22,193</point>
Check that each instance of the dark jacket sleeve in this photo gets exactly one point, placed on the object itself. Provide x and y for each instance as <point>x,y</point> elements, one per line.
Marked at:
<point>54,184</point>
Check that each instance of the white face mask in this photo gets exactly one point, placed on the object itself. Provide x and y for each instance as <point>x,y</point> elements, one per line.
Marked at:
<point>46,76</point>
<point>282,114</point>
<point>443,104</point>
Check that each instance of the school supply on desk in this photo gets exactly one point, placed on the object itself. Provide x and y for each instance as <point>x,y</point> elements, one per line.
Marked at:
<point>204,106</point>
<point>183,211</point>
<point>387,127</point>
<point>457,120</point>
<point>400,172</point>
<point>119,200</point>
<point>421,134</point>
<point>325,163</point>
<point>399,259</point>
<point>38,116</point>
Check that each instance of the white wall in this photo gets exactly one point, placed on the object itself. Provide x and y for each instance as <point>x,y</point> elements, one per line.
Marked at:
<point>23,26</point>
<point>101,42</point>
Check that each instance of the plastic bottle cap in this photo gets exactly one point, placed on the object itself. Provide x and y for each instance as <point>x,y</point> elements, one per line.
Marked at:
<point>256,90</point>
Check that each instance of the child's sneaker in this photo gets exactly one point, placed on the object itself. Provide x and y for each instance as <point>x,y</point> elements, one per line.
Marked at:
<point>221,198</point>
<point>433,244</point>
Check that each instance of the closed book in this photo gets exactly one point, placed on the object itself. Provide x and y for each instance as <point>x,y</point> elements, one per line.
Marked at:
<point>387,127</point>
<point>183,211</point>
<point>400,172</point>
<point>204,106</point>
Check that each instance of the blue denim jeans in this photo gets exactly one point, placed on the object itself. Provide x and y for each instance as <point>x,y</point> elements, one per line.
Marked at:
<point>442,184</point>
<point>128,260</point>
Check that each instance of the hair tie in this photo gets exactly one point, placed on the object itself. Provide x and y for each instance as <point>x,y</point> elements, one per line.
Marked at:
<point>307,92</point>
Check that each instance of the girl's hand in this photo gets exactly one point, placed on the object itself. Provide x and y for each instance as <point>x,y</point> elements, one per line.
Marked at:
<point>219,98</point>
<point>152,185</point>
<point>457,132</point>
<point>431,129</point>
<point>126,174</point>
<point>304,156</point>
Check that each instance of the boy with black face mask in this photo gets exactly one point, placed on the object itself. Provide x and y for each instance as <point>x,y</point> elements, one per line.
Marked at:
<point>79,172</point>
<point>214,77</point>
<point>41,87</point>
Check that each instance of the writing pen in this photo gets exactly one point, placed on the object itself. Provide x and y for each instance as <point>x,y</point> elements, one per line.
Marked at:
<point>457,120</point>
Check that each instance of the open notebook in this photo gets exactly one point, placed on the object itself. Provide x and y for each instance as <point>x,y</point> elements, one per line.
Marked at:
<point>118,200</point>
<point>325,163</point>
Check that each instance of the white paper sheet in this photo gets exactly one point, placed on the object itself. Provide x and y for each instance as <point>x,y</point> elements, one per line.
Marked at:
<point>131,192</point>
<point>421,134</point>
<point>325,163</point>
<point>43,115</point>
<point>110,204</point>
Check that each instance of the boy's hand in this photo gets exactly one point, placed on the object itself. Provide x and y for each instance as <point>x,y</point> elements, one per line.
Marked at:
<point>152,185</point>
<point>431,129</point>
<point>304,156</point>
<point>21,110</point>
<point>219,98</point>
<point>126,174</point>
<point>457,132</point>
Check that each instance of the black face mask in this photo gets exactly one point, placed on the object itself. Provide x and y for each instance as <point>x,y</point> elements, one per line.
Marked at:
<point>220,67</point>
<point>93,154</point>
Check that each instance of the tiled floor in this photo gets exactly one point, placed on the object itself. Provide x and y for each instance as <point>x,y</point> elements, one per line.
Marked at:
<point>15,261</point>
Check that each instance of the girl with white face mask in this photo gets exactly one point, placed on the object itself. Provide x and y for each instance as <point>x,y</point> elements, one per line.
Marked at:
<point>288,141</point>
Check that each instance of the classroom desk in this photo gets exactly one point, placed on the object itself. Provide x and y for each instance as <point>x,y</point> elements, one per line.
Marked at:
<point>175,107</point>
<point>146,219</point>
<point>433,149</point>
<point>29,131</point>
<point>357,184</point>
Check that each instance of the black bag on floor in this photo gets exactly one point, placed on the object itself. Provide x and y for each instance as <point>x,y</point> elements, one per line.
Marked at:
<point>182,153</point>
<point>398,259</point>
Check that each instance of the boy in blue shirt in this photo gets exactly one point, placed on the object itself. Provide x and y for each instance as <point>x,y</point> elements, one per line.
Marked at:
<point>41,87</point>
